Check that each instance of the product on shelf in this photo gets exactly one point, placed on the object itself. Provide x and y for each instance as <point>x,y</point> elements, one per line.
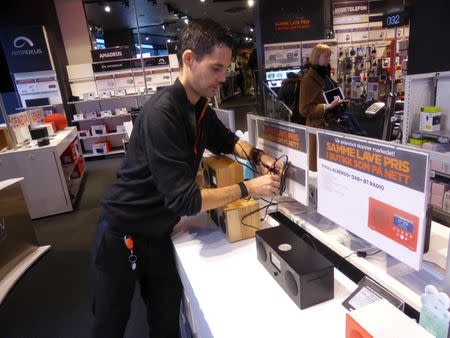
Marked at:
<point>79,168</point>
<point>91,115</point>
<point>430,118</point>
<point>101,148</point>
<point>106,113</point>
<point>84,133</point>
<point>89,96</point>
<point>437,193</point>
<point>98,129</point>
<point>121,111</point>
<point>70,154</point>
<point>78,117</point>
<point>120,128</point>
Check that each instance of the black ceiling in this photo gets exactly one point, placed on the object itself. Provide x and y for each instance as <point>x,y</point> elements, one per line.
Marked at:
<point>234,14</point>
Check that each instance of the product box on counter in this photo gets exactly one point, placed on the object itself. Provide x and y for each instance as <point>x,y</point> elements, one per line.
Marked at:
<point>79,168</point>
<point>98,129</point>
<point>70,154</point>
<point>382,319</point>
<point>120,128</point>
<point>101,148</point>
<point>105,94</point>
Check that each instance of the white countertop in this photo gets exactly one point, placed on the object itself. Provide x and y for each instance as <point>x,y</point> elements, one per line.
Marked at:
<point>231,294</point>
<point>6,183</point>
<point>55,140</point>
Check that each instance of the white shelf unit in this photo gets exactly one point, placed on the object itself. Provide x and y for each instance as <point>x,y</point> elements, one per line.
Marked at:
<point>115,138</point>
<point>47,186</point>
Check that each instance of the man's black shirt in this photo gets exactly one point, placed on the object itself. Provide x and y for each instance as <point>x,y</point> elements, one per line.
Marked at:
<point>156,181</point>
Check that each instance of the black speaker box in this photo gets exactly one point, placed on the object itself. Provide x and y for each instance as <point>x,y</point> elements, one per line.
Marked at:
<point>305,275</point>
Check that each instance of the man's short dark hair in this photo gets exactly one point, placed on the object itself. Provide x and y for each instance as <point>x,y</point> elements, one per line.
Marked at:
<point>201,36</point>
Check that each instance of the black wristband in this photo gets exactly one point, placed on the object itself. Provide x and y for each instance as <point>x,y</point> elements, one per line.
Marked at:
<point>244,191</point>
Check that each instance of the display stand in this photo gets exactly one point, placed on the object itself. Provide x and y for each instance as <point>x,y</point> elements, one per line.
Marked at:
<point>18,244</point>
<point>52,180</point>
<point>228,293</point>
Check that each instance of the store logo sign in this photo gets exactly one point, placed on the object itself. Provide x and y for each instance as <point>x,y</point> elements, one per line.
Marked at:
<point>110,55</point>
<point>162,61</point>
<point>22,41</point>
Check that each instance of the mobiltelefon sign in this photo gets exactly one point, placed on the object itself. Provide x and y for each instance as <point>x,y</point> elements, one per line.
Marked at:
<point>26,49</point>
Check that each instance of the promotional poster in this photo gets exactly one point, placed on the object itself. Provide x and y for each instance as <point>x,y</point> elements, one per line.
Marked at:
<point>376,191</point>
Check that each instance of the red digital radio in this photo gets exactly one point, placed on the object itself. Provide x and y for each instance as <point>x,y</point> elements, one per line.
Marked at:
<point>394,223</point>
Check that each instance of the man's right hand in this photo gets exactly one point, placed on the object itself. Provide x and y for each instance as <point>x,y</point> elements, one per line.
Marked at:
<point>264,186</point>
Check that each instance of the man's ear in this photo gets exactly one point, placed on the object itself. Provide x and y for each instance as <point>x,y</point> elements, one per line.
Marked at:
<point>187,57</point>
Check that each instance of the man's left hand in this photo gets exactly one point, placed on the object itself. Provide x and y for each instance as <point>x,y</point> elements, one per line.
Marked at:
<point>268,164</point>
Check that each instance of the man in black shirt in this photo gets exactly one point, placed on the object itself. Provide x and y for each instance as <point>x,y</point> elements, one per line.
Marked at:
<point>156,186</point>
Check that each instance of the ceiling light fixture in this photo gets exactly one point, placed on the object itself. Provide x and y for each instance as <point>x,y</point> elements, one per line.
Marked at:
<point>154,3</point>
<point>146,38</point>
<point>168,40</point>
<point>202,0</point>
<point>163,27</point>
<point>107,9</point>
<point>186,21</point>
<point>250,3</point>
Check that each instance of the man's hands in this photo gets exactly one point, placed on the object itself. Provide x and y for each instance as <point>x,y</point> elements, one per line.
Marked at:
<point>264,186</point>
<point>267,163</point>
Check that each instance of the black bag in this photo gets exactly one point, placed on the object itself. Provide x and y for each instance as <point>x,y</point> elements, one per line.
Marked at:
<point>296,116</point>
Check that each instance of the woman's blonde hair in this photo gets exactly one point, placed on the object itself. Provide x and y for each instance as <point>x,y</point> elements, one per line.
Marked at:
<point>319,49</point>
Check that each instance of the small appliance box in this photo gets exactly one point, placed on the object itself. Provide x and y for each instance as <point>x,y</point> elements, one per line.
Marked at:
<point>120,111</point>
<point>78,117</point>
<point>98,129</point>
<point>101,148</point>
<point>84,133</point>
<point>70,154</point>
<point>89,96</point>
<point>106,113</point>
<point>382,319</point>
<point>430,118</point>
<point>79,168</point>
<point>91,115</point>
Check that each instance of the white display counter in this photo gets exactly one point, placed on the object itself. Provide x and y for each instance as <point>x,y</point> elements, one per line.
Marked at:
<point>18,244</point>
<point>48,185</point>
<point>230,294</point>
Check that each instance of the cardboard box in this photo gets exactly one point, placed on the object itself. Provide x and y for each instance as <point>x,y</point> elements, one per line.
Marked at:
<point>98,129</point>
<point>70,154</point>
<point>430,119</point>
<point>101,148</point>
<point>91,115</point>
<point>106,113</point>
<point>78,117</point>
<point>382,319</point>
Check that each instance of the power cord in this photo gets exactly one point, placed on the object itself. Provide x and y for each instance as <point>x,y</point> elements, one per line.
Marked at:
<point>359,253</point>
<point>310,240</point>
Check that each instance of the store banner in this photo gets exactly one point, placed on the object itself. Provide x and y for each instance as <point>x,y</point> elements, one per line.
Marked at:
<point>26,49</point>
<point>111,66</point>
<point>287,21</point>
<point>377,191</point>
<point>155,61</point>
<point>110,54</point>
<point>350,13</point>
<point>277,139</point>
